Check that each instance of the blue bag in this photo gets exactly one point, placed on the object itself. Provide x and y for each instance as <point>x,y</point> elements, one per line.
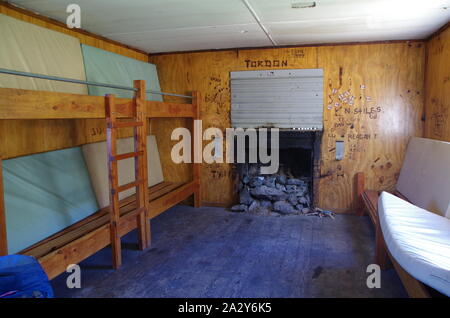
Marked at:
<point>22,276</point>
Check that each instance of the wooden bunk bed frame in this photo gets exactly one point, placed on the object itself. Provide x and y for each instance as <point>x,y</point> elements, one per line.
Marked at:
<point>84,238</point>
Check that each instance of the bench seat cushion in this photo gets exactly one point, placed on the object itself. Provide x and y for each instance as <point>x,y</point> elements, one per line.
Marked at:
<point>418,240</point>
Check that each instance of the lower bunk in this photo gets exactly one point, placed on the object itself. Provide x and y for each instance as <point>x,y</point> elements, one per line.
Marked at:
<point>57,206</point>
<point>86,237</point>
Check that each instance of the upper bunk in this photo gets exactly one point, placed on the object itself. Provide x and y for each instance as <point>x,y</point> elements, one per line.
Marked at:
<point>46,74</point>
<point>30,104</point>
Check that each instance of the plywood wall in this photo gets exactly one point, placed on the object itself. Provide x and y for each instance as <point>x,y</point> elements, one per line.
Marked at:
<point>21,137</point>
<point>437,81</point>
<point>383,81</point>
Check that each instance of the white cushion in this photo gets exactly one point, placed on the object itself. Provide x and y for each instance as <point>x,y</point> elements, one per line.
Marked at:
<point>418,240</point>
<point>95,155</point>
<point>425,175</point>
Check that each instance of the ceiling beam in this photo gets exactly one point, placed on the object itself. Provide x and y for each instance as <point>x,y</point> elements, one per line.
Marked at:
<point>290,46</point>
<point>258,20</point>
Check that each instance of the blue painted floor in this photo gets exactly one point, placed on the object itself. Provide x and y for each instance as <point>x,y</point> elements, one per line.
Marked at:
<point>210,252</point>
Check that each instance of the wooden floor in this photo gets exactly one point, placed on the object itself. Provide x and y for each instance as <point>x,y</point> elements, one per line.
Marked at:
<point>209,252</point>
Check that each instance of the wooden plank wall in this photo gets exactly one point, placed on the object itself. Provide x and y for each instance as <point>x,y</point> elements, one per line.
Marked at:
<point>384,80</point>
<point>437,87</point>
<point>21,137</point>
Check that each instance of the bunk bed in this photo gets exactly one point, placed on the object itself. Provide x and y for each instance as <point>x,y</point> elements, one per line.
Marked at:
<point>105,227</point>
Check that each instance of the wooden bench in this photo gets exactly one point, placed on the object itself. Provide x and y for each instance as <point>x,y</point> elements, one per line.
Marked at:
<point>370,205</point>
<point>368,202</point>
<point>424,182</point>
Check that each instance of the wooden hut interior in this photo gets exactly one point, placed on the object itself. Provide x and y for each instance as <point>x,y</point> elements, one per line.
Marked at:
<point>225,149</point>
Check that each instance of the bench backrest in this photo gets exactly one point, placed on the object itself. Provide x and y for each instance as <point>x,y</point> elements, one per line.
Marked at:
<point>425,175</point>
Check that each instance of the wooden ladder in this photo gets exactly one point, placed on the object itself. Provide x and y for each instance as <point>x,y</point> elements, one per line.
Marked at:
<point>141,174</point>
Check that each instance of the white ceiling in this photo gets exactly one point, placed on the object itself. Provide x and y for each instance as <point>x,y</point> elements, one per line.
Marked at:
<point>184,25</point>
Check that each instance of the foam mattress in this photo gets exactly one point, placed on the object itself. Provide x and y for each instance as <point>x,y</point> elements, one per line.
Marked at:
<point>419,240</point>
<point>95,155</point>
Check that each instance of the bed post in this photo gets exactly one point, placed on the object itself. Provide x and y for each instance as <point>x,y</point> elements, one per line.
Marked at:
<point>196,166</point>
<point>3,239</point>
<point>140,134</point>
<point>111,136</point>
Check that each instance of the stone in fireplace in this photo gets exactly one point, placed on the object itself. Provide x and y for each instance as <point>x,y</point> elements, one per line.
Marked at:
<point>291,189</point>
<point>280,193</point>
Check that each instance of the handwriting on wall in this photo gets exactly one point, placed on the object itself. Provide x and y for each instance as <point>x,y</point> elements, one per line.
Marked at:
<point>265,63</point>
<point>438,123</point>
<point>218,171</point>
<point>372,112</point>
<point>351,106</point>
<point>298,53</point>
<point>438,117</point>
<point>97,131</point>
<point>361,136</point>
<point>217,95</point>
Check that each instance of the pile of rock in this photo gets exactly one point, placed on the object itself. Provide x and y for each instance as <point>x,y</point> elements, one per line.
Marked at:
<point>268,194</point>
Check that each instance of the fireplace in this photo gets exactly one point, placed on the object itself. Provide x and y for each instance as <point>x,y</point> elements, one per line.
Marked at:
<point>290,190</point>
<point>291,100</point>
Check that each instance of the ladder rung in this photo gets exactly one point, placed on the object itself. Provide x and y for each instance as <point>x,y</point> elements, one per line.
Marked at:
<point>127,155</point>
<point>132,214</point>
<point>127,186</point>
<point>125,124</point>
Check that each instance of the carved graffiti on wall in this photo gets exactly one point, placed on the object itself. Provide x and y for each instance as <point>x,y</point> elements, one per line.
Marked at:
<point>351,105</point>
<point>438,118</point>
<point>438,124</point>
<point>97,131</point>
<point>265,63</point>
<point>217,95</point>
<point>298,53</point>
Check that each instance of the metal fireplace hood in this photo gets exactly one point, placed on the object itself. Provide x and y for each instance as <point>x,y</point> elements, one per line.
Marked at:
<point>289,99</point>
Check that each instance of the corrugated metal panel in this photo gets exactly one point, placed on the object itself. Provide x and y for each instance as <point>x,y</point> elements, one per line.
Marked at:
<point>277,98</point>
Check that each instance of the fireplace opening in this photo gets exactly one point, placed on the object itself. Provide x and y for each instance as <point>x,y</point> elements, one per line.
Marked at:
<point>296,162</point>
<point>288,191</point>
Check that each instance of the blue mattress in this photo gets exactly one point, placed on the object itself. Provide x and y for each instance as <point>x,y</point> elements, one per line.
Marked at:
<point>45,193</point>
<point>106,67</point>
